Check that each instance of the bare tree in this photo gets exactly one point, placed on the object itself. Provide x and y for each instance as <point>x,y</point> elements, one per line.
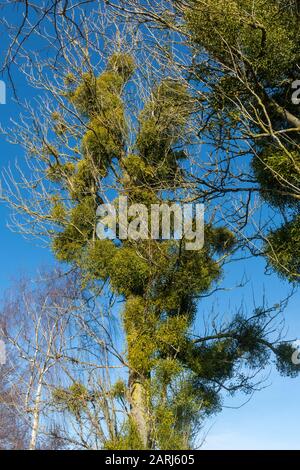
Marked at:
<point>63,366</point>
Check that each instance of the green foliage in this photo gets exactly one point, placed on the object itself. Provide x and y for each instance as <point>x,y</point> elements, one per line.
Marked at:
<point>74,399</point>
<point>102,143</point>
<point>59,213</point>
<point>264,33</point>
<point>278,175</point>
<point>83,180</point>
<point>128,438</point>
<point>139,171</point>
<point>221,238</point>
<point>167,437</point>
<point>129,272</point>
<point>161,124</point>
<point>283,249</point>
<point>77,232</point>
<point>119,389</point>
<point>96,260</point>
<point>285,365</point>
<point>58,172</point>
<point>140,325</point>
<point>98,99</point>
<point>122,64</point>
<point>248,55</point>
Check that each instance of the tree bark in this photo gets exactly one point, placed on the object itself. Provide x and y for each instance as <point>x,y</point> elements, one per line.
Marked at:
<point>36,416</point>
<point>139,412</point>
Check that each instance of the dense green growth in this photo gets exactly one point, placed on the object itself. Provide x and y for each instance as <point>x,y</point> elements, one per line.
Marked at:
<point>175,378</point>
<point>248,59</point>
<point>158,280</point>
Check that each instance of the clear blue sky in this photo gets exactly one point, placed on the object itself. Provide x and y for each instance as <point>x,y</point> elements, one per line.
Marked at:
<point>271,419</point>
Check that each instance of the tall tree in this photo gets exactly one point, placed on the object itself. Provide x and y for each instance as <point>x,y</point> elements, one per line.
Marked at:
<point>84,149</point>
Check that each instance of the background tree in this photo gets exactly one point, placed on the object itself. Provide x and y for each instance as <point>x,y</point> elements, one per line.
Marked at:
<point>14,428</point>
<point>34,323</point>
<point>57,387</point>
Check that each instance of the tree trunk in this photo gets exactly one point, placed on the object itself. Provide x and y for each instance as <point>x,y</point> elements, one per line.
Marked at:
<point>36,416</point>
<point>139,412</point>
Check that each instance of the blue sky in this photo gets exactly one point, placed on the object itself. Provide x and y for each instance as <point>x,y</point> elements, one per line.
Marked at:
<point>17,253</point>
<point>270,419</point>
